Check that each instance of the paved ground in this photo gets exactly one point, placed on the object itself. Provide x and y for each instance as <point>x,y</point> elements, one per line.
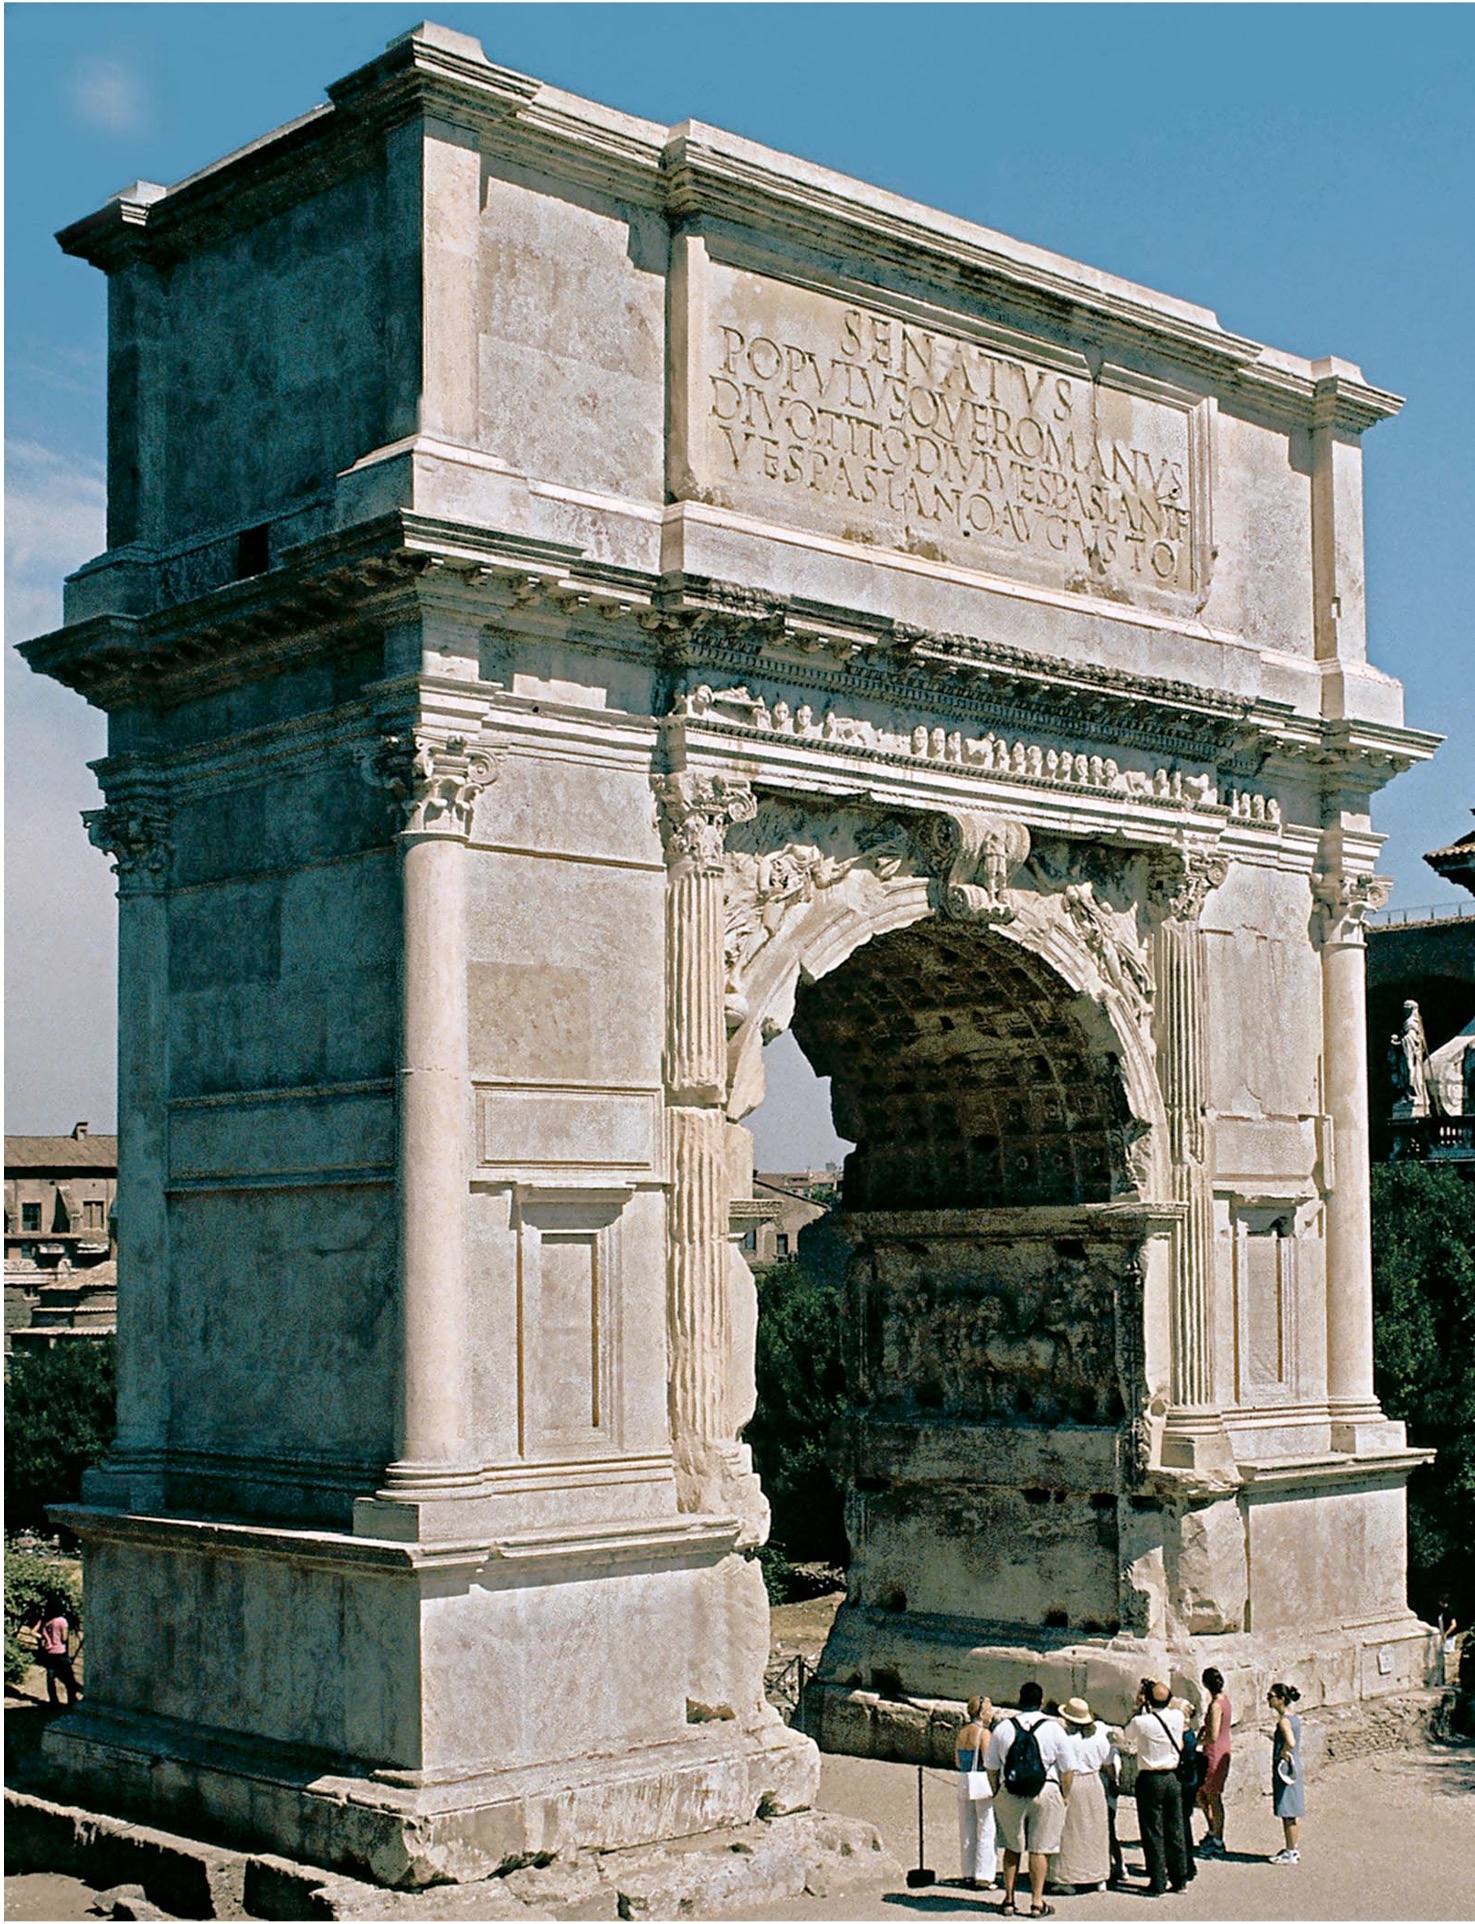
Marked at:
<point>1389,1836</point>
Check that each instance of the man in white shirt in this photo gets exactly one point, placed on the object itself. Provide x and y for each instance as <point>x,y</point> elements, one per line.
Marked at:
<point>1155,1736</point>
<point>1030,1824</point>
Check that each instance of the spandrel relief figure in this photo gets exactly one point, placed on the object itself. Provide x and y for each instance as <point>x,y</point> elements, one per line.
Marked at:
<point>1408,1054</point>
<point>787,859</point>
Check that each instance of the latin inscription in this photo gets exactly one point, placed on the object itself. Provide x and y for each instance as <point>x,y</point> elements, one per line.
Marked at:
<point>949,447</point>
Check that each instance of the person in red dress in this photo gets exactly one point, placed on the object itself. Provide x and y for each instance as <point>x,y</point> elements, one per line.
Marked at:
<point>1215,1738</point>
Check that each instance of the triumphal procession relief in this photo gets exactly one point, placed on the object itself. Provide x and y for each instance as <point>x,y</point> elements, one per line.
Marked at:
<point>582,598</point>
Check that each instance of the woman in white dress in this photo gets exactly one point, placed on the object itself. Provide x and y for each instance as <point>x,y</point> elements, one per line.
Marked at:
<point>1084,1859</point>
<point>975,1815</point>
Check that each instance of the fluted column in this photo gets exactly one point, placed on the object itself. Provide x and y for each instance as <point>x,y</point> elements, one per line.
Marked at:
<point>435,780</point>
<point>1193,1435</point>
<point>134,830</point>
<point>695,811</point>
<point>1357,1419</point>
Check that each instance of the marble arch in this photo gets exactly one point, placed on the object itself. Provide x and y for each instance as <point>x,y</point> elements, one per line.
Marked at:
<point>516,509</point>
<point>834,921</point>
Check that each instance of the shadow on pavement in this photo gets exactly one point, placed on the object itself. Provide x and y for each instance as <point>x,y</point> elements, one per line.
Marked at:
<point>981,1901</point>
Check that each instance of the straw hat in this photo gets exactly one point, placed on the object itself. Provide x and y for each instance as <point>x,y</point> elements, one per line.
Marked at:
<point>1076,1711</point>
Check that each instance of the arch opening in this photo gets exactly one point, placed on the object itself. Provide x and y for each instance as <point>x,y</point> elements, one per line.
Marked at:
<point>986,1253</point>
<point>964,1076</point>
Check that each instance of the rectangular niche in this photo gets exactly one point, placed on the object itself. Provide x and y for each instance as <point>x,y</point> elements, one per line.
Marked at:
<point>568,1296</point>
<point>1263,1259</point>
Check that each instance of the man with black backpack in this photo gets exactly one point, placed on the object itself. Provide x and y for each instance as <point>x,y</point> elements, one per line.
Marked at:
<point>1029,1762</point>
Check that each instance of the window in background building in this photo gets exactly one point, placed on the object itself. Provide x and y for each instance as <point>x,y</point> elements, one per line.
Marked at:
<point>30,1215</point>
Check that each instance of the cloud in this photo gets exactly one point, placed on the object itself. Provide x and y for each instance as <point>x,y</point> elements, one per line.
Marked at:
<point>60,918</point>
<point>109,95</point>
<point>55,519</point>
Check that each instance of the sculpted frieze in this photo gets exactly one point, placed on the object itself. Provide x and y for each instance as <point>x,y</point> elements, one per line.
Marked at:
<point>1033,763</point>
<point>1246,805</point>
<point>779,860</point>
<point>976,857</point>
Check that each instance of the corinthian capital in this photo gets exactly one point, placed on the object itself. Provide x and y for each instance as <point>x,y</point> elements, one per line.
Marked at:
<point>1182,882</point>
<point>1346,900</point>
<point>433,781</point>
<point>693,812</point>
<point>134,831</point>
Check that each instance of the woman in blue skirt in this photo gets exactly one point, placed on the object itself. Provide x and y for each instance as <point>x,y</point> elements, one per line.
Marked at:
<point>1287,1786</point>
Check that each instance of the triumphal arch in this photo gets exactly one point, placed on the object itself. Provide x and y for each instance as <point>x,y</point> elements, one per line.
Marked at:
<point>581,597</point>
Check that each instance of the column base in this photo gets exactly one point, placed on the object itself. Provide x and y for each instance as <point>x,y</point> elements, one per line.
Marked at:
<point>1196,1439</point>
<point>1361,1429</point>
<point>126,1480</point>
<point>721,1481</point>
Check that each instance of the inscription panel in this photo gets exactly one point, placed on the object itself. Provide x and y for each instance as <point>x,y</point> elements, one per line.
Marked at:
<point>877,428</point>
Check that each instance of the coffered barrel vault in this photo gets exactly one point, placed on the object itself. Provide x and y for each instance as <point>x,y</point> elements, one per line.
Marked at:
<point>581,597</point>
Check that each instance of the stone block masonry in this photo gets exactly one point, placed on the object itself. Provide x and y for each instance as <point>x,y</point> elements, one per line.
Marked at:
<point>582,596</point>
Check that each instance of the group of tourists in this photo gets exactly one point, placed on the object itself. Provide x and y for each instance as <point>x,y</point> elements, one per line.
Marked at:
<point>1041,1783</point>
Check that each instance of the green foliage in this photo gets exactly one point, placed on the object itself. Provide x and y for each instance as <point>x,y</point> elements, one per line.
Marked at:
<point>778,1573</point>
<point>1424,1306</point>
<point>801,1394</point>
<point>59,1421</point>
<point>32,1580</point>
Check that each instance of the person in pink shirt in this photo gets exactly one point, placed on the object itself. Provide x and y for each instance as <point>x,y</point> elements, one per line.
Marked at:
<point>55,1653</point>
<point>1216,1742</point>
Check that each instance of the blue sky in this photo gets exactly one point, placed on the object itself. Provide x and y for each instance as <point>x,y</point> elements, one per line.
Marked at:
<point>1307,172</point>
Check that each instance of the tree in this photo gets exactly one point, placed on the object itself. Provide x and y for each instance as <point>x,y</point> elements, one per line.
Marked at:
<point>801,1395</point>
<point>59,1421</point>
<point>1424,1310</point>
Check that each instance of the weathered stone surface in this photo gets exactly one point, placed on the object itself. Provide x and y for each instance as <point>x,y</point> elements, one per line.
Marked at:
<point>126,1900</point>
<point>584,597</point>
<point>1211,1580</point>
<point>814,1852</point>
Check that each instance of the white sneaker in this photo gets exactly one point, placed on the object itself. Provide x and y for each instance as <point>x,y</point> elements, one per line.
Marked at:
<point>1286,1857</point>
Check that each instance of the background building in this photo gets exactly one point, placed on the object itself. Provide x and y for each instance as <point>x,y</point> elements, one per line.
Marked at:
<point>782,1204</point>
<point>60,1199</point>
<point>1427,956</point>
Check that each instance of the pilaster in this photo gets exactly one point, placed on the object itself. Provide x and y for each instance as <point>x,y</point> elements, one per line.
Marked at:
<point>1193,1434</point>
<point>134,829</point>
<point>434,777</point>
<point>713,1470</point>
<point>1345,898</point>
